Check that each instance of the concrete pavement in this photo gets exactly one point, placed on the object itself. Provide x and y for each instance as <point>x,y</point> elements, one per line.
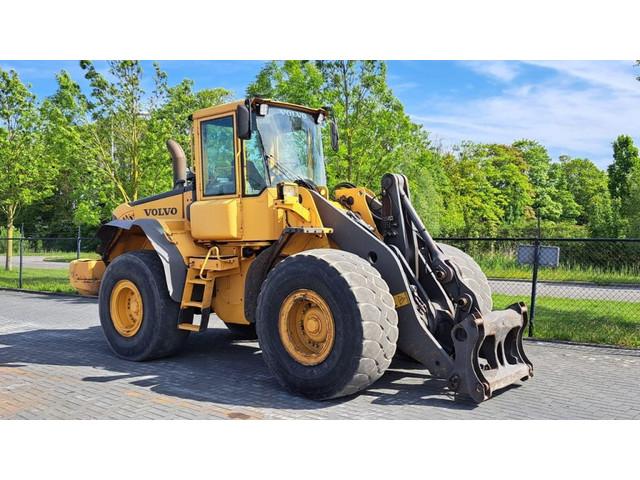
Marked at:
<point>55,363</point>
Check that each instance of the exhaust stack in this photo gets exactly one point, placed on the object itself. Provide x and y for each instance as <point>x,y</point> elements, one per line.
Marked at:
<point>179,163</point>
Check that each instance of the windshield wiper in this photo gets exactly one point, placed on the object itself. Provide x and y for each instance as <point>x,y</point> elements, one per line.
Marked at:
<point>288,173</point>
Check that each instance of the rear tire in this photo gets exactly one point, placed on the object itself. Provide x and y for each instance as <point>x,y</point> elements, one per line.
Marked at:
<point>472,275</point>
<point>350,293</point>
<point>157,335</point>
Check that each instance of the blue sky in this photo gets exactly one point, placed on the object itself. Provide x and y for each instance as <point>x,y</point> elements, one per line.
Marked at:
<point>574,108</point>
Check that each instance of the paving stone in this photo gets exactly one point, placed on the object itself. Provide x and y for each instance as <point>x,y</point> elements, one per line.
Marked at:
<point>55,364</point>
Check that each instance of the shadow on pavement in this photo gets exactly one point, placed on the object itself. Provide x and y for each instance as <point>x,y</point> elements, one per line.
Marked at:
<point>213,367</point>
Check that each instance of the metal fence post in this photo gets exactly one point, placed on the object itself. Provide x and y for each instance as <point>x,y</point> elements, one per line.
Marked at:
<point>78,244</point>
<point>21,249</point>
<point>534,279</point>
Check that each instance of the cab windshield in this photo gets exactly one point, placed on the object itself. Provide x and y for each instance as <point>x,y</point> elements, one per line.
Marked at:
<point>285,145</point>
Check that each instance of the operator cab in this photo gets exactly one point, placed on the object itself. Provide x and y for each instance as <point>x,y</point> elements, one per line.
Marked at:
<point>276,141</point>
<point>245,150</point>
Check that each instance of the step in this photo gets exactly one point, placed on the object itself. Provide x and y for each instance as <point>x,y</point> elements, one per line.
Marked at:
<point>193,304</point>
<point>189,326</point>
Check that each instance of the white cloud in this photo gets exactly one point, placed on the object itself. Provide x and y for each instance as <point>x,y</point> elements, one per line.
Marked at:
<point>578,118</point>
<point>498,70</point>
<point>404,86</point>
<point>614,75</point>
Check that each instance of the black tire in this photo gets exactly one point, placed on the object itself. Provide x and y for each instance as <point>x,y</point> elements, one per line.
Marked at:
<point>158,335</point>
<point>364,317</point>
<point>471,273</point>
<point>245,332</point>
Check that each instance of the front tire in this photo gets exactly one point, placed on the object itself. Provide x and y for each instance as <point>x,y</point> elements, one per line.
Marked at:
<point>138,317</point>
<point>470,272</point>
<point>326,323</point>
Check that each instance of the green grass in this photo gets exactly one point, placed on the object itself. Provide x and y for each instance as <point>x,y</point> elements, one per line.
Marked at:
<point>66,257</point>
<point>48,280</point>
<point>591,321</point>
<point>502,267</point>
<point>56,255</point>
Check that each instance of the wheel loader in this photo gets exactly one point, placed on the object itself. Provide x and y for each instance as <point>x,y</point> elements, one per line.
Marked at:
<point>330,283</point>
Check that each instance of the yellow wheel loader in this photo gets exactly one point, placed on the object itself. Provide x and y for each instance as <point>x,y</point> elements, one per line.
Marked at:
<point>330,283</point>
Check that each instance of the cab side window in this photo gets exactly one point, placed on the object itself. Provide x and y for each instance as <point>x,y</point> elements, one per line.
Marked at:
<point>256,178</point>
<point>218,156</point>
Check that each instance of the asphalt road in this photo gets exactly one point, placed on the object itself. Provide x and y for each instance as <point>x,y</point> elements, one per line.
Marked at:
<point>34,262</point>
<point>624,293</point>
<point>54,363</point>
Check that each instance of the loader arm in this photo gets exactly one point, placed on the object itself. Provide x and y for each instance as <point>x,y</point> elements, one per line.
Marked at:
<point>442,324</point>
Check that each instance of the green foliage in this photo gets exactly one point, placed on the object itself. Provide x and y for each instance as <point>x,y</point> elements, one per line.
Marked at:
<point>293,81</point>
<point>625,159</point>
<point>538,162</point>
<point>25,176</point>
<point>630,209</point>
<point>589,187</point>
<point>624,185</point>
<point>76,156</point>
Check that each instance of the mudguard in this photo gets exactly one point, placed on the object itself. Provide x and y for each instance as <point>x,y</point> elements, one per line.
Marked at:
<point>175,270</point>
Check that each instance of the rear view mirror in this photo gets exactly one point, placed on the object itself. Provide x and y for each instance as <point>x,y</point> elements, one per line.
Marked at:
<point>243,122</point>
<point>334,136</point>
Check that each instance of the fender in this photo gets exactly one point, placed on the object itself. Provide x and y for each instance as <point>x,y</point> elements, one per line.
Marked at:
<point>175,270</point>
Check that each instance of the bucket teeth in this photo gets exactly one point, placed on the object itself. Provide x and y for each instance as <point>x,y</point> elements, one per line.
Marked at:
<point>488,352</point>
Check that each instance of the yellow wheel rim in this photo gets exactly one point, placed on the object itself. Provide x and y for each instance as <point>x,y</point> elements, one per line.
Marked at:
<point>126,308</point>
<point>306,327</point>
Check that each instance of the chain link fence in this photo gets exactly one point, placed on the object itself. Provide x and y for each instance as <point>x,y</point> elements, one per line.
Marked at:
<point>41,263</point>
<point>579,289</point>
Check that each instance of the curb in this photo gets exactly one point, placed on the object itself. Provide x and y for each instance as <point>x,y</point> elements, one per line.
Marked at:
<point>636,350</point>
<point>561,283</point>
<point>43,292</point>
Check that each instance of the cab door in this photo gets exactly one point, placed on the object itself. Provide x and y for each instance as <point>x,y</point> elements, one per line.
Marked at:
<point>216,213</point>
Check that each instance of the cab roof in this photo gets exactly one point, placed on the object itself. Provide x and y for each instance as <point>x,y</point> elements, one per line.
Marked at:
<point>231,107</point>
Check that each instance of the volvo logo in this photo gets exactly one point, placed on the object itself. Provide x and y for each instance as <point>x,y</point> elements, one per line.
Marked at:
<point>160,212</point>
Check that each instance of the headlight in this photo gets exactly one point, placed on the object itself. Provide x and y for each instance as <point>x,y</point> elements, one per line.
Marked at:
<point>287,190</point>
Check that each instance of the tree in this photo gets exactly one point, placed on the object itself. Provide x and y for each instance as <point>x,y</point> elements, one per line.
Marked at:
<point>475,196</point>
<point>631,209</point>
<point>125,133</point>
<point>65,135</point>
<point>538,171</point>
<point>589,187</point>
<point>506,169</point>
<point>562,194</point>
<point>24,176</point>
<point>118,125</point>
<point>169,119</point>
<point>376,134</point>
<point>625,159</point>
<point>294,81</point>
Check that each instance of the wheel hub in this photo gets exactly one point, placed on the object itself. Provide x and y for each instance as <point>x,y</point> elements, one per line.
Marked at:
<point>126,308</point>
<point>306,327</point>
